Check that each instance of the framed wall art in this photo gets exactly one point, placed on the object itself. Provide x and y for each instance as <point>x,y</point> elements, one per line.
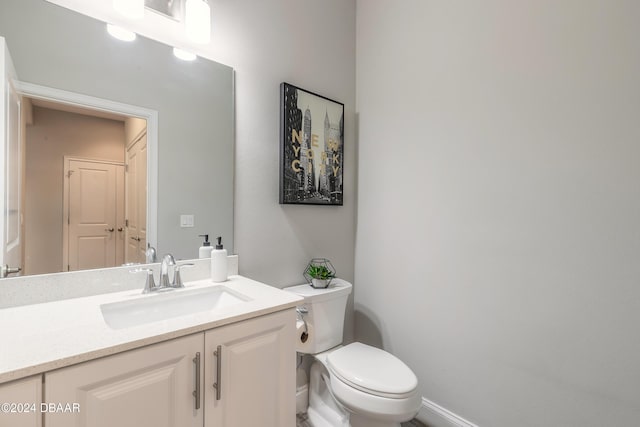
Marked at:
<point>311,148</point>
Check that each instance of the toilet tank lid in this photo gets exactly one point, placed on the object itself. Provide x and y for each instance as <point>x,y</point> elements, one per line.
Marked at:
<point>336,289</point>
<point>372,370</point>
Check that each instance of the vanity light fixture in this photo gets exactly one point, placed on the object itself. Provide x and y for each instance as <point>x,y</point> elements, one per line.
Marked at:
<point>197,21</point>
<point>132,9</point>
<point>120,33</point>
<point>184,55</point>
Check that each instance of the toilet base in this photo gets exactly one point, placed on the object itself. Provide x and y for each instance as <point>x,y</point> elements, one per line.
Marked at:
<point>325,411</point>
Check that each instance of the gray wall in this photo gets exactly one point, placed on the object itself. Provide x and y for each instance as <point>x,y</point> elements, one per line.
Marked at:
<point>498,212</point>
<point>310,45</point>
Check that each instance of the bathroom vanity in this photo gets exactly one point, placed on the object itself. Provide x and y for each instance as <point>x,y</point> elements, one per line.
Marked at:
<point>128,359</point>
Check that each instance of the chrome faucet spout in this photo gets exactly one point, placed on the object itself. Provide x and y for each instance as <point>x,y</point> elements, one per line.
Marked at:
<point>167,267</point>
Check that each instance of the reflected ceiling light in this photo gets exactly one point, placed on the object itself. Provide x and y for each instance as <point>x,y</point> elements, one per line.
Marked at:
<point>197,21</point>
<point>120,33</point>
<point>184,55</point>
<point>132,9</point>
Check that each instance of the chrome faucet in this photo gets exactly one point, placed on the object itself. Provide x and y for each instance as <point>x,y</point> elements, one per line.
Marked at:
<point>150,254</point>
<point>168,262</point>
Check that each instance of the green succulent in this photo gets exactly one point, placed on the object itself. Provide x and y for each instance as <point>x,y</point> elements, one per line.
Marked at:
<point>319,272</point>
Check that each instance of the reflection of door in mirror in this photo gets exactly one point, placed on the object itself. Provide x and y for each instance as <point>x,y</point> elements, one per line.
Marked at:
<point>75,187</point>
<point>94,208</point>
<point>136,191</point>
<point>10,172</point>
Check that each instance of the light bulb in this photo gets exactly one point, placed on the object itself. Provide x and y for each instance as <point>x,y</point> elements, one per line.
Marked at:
<point>183,54</point>
<point>120,33</point>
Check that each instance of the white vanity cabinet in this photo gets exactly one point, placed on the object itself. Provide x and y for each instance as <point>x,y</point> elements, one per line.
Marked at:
<point>250,373</point>
<point>253,365</point>
<point>21,401</point>
<point>150,386</point>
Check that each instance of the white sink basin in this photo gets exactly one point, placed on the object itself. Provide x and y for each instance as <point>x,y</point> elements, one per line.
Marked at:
<point>169,304</point>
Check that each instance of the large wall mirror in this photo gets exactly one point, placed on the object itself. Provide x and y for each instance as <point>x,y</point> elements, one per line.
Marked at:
<point>184,108</point>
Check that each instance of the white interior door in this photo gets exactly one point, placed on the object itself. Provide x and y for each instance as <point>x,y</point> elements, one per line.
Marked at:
<point>136,196</point>
<point>93,201</point>
<point>10,167</point>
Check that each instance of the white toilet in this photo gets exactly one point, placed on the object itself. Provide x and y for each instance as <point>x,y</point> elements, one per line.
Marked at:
<point>354,385</point>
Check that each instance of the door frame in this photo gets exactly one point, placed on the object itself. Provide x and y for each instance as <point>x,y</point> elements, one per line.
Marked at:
<point>151,116</point>
<point>8,86</point>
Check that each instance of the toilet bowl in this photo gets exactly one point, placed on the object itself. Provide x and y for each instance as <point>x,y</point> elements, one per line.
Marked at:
<point>355,385</point>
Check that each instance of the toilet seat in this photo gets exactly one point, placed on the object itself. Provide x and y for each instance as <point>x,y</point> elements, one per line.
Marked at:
<point>373,371</point>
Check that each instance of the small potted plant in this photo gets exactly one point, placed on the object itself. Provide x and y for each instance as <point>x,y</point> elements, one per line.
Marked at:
<point>319,273</point>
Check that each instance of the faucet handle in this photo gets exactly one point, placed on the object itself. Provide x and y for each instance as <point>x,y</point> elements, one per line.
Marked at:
<point>177,280</point>
<point>150,283</point>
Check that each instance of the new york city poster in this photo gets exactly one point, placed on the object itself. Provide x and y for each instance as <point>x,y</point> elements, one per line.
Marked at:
<point>311,148</point>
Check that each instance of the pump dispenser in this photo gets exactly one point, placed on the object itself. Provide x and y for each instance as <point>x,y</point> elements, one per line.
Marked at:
<point>205,250</point>
<point>219,262</point>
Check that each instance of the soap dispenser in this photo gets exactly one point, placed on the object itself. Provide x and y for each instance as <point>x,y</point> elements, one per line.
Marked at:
<point>219,263</point>
<point>205,250</point>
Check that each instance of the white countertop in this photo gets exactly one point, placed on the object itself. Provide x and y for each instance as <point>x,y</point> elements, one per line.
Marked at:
<point>42,337</point>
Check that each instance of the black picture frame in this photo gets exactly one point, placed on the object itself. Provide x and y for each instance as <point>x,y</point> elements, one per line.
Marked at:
<point>311,153</point>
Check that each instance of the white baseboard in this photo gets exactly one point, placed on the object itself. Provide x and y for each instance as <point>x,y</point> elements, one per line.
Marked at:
<point>434,415</point>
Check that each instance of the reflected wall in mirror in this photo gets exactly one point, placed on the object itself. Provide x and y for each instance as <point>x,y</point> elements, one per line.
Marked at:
<point>93,204</point>
<point>58,48</point>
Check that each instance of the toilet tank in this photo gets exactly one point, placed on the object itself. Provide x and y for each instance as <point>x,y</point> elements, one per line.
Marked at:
<point>325,315</point>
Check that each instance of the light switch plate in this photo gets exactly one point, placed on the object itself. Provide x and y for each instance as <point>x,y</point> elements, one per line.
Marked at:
<point>186,221</point>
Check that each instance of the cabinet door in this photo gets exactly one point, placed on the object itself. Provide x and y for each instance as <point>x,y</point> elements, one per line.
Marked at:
<point>253,368</point>
<point>151,386</point>
<point>23,398</point>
